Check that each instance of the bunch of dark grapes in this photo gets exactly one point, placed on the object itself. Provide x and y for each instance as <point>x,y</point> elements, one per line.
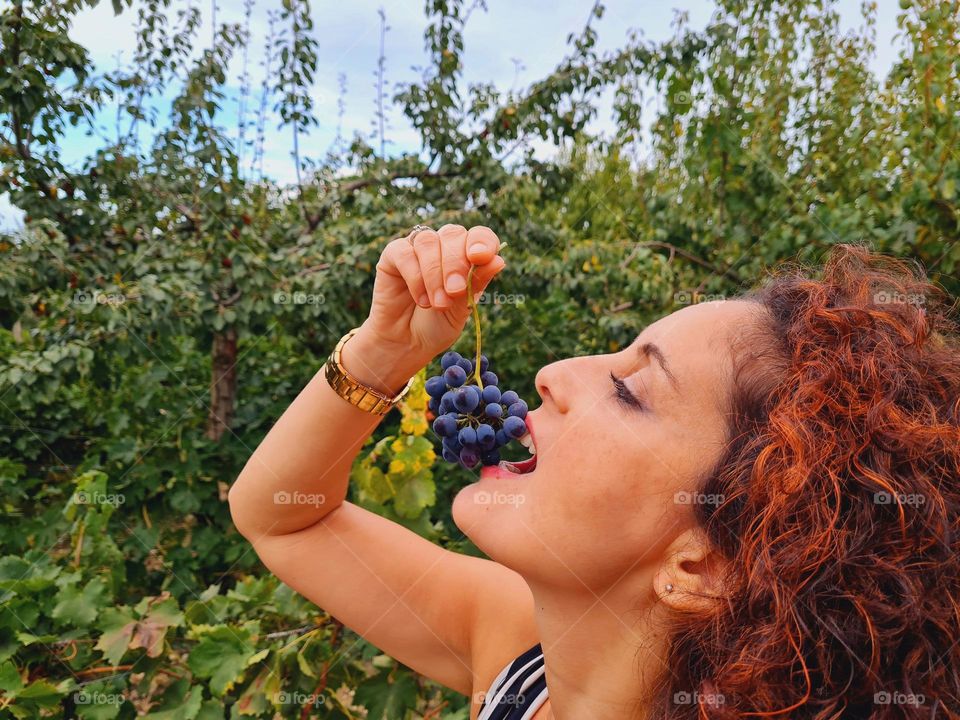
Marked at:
<point>475,419</point>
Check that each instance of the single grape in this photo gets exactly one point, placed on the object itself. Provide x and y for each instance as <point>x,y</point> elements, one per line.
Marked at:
<point>518,409</point>
<point>455,376</point>
<point>501,438</point>
<point>445,425</point>
<point>435,386</point>
<point>446,402</point>
<point>493,410</point>
<point>514,427</point>
<point>467,436</point>
<point>509,398</point>
<point>466,399</point>
<point>484,363</point>
<point>469,457</point>
<point>489,378</point>
<point>433,405</point>
<point>486,436</point>
<point>491,394</point>
<point>451,456</point>
<point>449,359</point>
<point>466,364</point>
<point>490,457</point>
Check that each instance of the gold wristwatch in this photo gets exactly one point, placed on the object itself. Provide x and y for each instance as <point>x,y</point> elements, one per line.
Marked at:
<point>355,392</point>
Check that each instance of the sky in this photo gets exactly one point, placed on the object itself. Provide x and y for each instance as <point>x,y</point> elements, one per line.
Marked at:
<point>511,44</point>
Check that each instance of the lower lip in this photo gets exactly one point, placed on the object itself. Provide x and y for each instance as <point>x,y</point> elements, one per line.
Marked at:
<point>496,471</point>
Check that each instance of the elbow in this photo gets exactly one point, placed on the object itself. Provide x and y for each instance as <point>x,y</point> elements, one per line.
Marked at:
<point>238,501</point>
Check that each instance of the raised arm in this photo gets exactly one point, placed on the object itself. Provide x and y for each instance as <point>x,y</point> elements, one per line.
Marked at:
<point>412,599</point>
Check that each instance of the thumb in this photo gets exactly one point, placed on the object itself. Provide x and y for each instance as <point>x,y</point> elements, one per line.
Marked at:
<point>483,274</point>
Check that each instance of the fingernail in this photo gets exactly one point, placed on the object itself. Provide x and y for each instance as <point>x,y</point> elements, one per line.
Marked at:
<point>456,282</point>
<point>440,298</point>
<point>476,248</point>
<point>424,301</point>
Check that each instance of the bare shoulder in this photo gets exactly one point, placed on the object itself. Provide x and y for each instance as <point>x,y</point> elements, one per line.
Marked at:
<point>505,627</point>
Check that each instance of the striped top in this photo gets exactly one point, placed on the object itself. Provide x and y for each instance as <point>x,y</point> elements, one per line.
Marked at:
<point>518,691</point>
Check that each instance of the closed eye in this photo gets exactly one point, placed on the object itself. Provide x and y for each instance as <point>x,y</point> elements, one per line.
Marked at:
<point>624,396</point>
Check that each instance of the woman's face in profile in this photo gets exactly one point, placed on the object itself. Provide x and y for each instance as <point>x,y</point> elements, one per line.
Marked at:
<point>618,463</point>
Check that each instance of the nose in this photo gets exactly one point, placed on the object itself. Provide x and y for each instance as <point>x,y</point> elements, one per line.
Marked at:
<point>554,386</point>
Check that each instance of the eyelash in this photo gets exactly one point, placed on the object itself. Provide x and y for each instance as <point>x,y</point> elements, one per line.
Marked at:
<point>624,396</point>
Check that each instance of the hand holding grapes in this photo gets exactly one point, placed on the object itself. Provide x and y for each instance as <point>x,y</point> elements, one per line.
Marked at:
<point>420,303</point>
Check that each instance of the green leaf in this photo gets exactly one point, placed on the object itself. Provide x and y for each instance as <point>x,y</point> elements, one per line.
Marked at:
<point>81,607</point>
<point>221,655</point>
<point>116,627</point>
<point>388,696</point>
<point>10,681</point>
<point>415,494</point>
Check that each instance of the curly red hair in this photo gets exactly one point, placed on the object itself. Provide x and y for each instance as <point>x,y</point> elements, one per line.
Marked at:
<point>840,511</point>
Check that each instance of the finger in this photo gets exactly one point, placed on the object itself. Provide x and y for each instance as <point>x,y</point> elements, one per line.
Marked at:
<point>482,245</point>
<point>483,274</point>
<point>426,245</point>
<point>400,259</point>
<point>453,259</point>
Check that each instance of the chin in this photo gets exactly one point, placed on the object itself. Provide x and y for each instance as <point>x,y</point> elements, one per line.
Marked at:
<point>489,513</point>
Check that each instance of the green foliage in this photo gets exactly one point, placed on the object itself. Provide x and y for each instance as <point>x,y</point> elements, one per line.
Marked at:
<point>164,305</point>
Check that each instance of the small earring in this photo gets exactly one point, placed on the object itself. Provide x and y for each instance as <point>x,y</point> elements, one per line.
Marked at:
<point>669,587</point>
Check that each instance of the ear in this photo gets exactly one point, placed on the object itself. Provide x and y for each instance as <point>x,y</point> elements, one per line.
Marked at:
<point>691,576</point>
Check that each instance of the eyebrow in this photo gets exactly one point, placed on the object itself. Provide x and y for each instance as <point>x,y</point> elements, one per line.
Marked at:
<point>648,350</point>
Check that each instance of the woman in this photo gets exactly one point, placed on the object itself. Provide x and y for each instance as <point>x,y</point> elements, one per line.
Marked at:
<point>750,511</point>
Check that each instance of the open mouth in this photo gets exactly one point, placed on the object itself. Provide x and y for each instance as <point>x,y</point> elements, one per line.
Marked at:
<point>523,467</point>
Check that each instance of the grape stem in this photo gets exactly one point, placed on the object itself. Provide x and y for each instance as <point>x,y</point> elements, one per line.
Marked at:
<point>476,322</point>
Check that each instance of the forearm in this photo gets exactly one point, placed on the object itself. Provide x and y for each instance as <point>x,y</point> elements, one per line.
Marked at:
<point>301,469</point>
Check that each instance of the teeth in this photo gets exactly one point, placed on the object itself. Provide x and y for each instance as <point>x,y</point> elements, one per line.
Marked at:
<point>527,442</point>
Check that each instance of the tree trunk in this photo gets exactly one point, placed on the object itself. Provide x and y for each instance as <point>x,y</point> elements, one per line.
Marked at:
<point>223,383</point>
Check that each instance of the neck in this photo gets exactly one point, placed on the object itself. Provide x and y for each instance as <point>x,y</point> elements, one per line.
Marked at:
<point>601,656</point>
